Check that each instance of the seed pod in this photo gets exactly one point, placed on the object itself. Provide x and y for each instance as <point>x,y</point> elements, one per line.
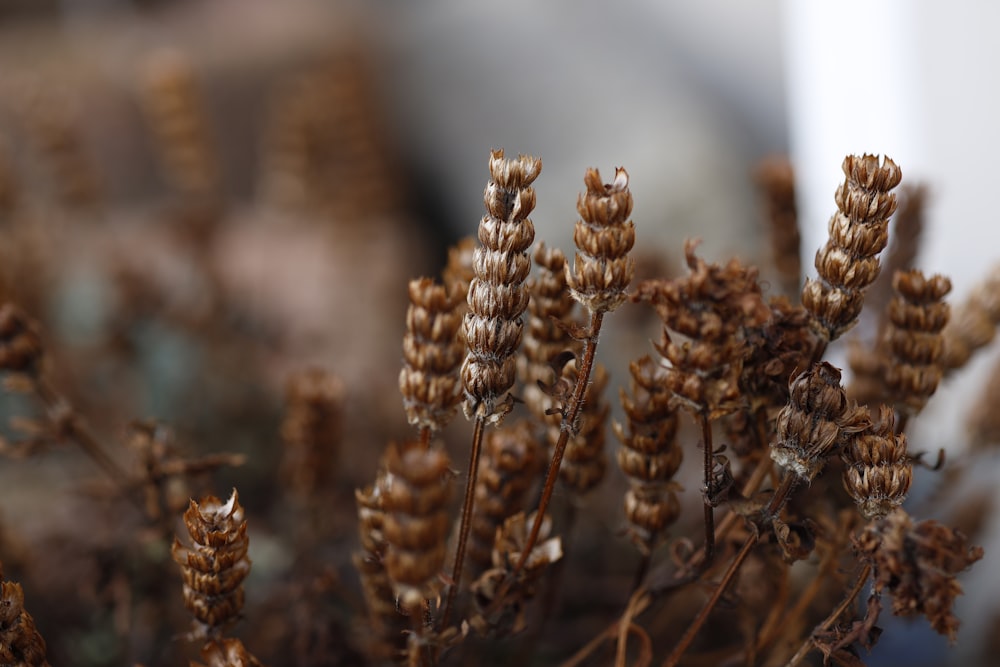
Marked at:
<point>603,269</point>
<point>20,642</point>
<point>216,564</point>
<point>878,470</point>
<point>813,424</point>
<point>506,473</point>
<point>415,492</point>
<point>849,262</point>
<point>545,339</point>
<point>432,351</point>
<point>311,432</point>
<point>913,341</point>
<point>497,295</point>
<point>650,455</point>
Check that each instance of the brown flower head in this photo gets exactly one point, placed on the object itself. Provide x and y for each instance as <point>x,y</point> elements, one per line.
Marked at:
<point>918,564</point>
<point>877,469</point>
<point>815,422</point>
<point>497,295</point>
<point>604,236</point>
<point>216,564</point>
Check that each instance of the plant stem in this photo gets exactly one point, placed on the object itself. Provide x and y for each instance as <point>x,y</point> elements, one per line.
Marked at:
<point>832,618</point>
<point>773,507</point>
<point>706,439</point>
<point>466,524</point>
<point>63,414</point>
<point>567,426</point>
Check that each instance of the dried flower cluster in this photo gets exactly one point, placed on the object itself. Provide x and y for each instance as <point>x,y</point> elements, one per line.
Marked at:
<point>216,563</point>
<point>20,643</point>
<point>849,261</point>
<point>878,470</point>
<point>497,295</point>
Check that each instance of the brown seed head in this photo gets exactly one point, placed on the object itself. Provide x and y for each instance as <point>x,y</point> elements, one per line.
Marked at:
<point>973,324</point>
<point>877,469</point>
<point>497,296</point>
<point>507,470</point>
<point>585,461</point>
<point>650,455</point>
<point>815,422</point>
<point>432,351</point>
<point>415,492</point>
<point>849,263</point>
<point>913,342</point>
<point>603,269</point>
<point>216,564</point>
<point>776,182</point>
<point>918,564</point>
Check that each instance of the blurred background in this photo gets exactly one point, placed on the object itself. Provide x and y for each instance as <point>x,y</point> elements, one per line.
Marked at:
<point>182,269</point>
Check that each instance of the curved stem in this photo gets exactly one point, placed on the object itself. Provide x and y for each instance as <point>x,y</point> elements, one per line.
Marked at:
<point>773,507</point>
<point>832,618</point>
<point>466,524</point>
<point>567,426</point>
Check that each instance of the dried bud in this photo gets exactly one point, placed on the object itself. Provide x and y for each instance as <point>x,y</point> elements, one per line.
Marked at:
<point>650,455</point>
<point>877,469</point>
<point>849,263</point>
<point>415,492</point>
<point>506,473</point>
<point>545,339</point>
<point>432,351</point>
<point>814,423</point>
<point>913,340</point>
<point>497,296</point>
<point>20,642</point>
<point>918,564</point>
<point>216,564</point>
<point>604,236</point>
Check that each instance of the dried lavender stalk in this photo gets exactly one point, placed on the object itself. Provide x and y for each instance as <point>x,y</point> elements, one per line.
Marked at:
<point>216,564</point>
<point>775,179</point>
<point>585,460</point>
<point>973,324</point>
<point>849,262</point>
<point>311,432</point>
<point>650,455</point>
<point>877,471</point>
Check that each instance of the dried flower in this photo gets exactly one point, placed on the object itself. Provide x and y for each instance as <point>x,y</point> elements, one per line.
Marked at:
<point>650,455</point>
<point>20,642</point>
<point>507,470</point>
<point>510,541</point>
<point>973,324</point>
<point>849,262</point>
<point>547,335</point>
<point>604,236</point>
<point>432,351</point>
<point>877,469</point>
<point>415,492</point>
<point>497,295</point>
<point>913,341</point>
<point>216,564</point>
<point>918,564</point>
<point>711,308</point>
<point>815,422</point>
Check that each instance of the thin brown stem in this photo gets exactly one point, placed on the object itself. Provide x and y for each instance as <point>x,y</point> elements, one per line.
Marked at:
<point>832,618</point>
<point>61,412</point>
<point>706,439</point>
<point>567,426</point>
<point>466,524</point>
<point>773,507</point>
